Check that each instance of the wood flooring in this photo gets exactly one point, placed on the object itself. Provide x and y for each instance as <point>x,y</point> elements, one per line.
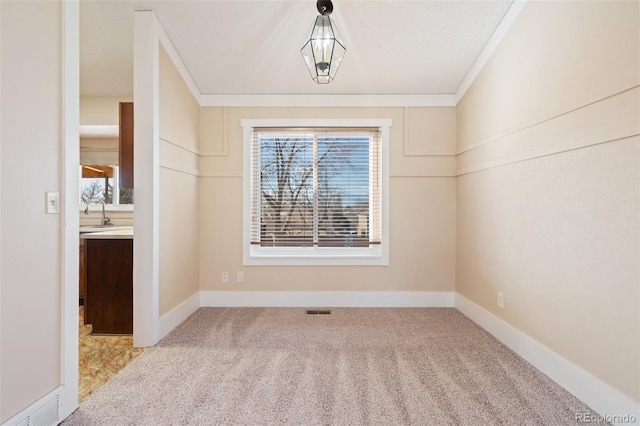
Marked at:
<point>101,357</point>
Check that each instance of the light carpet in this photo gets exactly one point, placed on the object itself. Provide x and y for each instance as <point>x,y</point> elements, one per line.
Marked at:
<point>373,366</point>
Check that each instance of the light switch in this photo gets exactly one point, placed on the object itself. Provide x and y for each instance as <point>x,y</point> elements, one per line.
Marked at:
<point>53,202</point>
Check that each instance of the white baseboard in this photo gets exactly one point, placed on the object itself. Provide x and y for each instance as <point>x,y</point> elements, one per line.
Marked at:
<point>173,318</point>
<point>44,412</point>
<point>589,389</point>
<point>333,299</point>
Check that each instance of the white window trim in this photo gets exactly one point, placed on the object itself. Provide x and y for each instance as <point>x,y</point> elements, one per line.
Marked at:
<point>375,255</point>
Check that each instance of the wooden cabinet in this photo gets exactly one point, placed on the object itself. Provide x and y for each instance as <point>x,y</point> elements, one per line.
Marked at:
<point>82,279</point>
<point>125,146</point>
<point>109,293</point>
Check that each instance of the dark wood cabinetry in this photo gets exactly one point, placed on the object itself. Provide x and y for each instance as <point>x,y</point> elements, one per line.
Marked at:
<point>125,148</point>
<point>82,279</point>
<point>109,285</point>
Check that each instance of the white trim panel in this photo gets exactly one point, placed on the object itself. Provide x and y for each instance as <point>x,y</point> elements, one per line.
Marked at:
<point>146,77</point>
<point>589,389</point>
<point>70,221</point>
<point>611,134</point>
<point>578,107</point>
<point>1,373</point>
<point>334,299</point>
<point>174,317</point>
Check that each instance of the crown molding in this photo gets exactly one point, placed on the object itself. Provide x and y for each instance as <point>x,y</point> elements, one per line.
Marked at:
<point>489,48</point>
<point>380,100</point>
<point>346,100</point>
<point>182,69</point>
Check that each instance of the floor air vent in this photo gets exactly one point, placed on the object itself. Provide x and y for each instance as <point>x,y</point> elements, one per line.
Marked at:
<point>47,414</point>
<point>318,311</point>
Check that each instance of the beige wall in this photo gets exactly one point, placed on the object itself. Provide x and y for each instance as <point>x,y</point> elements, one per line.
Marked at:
<point>30,241</point>
<point>179,124</point>
<point>548,191</point>
<point>100,111</point>
<point>422,205</point>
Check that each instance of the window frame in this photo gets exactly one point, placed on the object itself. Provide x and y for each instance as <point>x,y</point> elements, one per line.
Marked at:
<point>92,207</point>
<point>355,256</point>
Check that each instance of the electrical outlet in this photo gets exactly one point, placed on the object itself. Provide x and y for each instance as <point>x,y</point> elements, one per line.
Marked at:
<point>225,277</point>
<point>240,277</point>
<point>500,300</point>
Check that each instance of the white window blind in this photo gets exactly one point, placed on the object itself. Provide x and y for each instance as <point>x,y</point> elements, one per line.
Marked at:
<point>316,187</point>
<point>315,191</point>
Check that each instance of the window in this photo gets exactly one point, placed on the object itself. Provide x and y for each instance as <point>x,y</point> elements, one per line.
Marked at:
<point>100,184</point>
<point>315,192</point>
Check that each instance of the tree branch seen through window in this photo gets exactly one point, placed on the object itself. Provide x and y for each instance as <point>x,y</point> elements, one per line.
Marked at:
<point>315,190</point>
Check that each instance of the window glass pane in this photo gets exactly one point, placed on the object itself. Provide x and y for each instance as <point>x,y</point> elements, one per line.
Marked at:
<point>343,190</point>
<point>126,196</point>
<point>96,190</point>
<point>286,186</point>
<point>99,184</point>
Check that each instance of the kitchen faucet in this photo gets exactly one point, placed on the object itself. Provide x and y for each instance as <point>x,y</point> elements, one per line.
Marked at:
<point>105,220</point>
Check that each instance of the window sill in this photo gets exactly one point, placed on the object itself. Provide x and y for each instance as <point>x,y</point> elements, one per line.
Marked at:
<point>316,257</point>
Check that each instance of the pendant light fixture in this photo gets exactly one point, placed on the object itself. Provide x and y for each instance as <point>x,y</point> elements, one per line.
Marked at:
<point>324,50</point>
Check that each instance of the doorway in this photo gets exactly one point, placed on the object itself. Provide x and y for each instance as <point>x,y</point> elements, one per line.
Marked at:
<point>99,350</point>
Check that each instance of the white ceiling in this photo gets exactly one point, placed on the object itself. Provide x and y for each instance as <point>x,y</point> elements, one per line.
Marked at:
<point>253,47</point>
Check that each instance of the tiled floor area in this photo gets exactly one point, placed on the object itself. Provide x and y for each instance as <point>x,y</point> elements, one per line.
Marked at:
<point>101,357</point>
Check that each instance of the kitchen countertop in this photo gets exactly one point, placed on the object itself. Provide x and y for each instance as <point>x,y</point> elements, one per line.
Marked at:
<point>106,232</point>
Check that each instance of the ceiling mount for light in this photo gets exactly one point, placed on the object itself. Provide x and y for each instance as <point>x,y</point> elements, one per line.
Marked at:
<point>324,50</point>
<point>325,7</point>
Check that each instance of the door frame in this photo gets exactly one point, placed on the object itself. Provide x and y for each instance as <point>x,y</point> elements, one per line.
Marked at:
<point>69,219</point>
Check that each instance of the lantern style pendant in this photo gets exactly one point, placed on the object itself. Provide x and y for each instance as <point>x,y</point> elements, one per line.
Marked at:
<point>324,50</point>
